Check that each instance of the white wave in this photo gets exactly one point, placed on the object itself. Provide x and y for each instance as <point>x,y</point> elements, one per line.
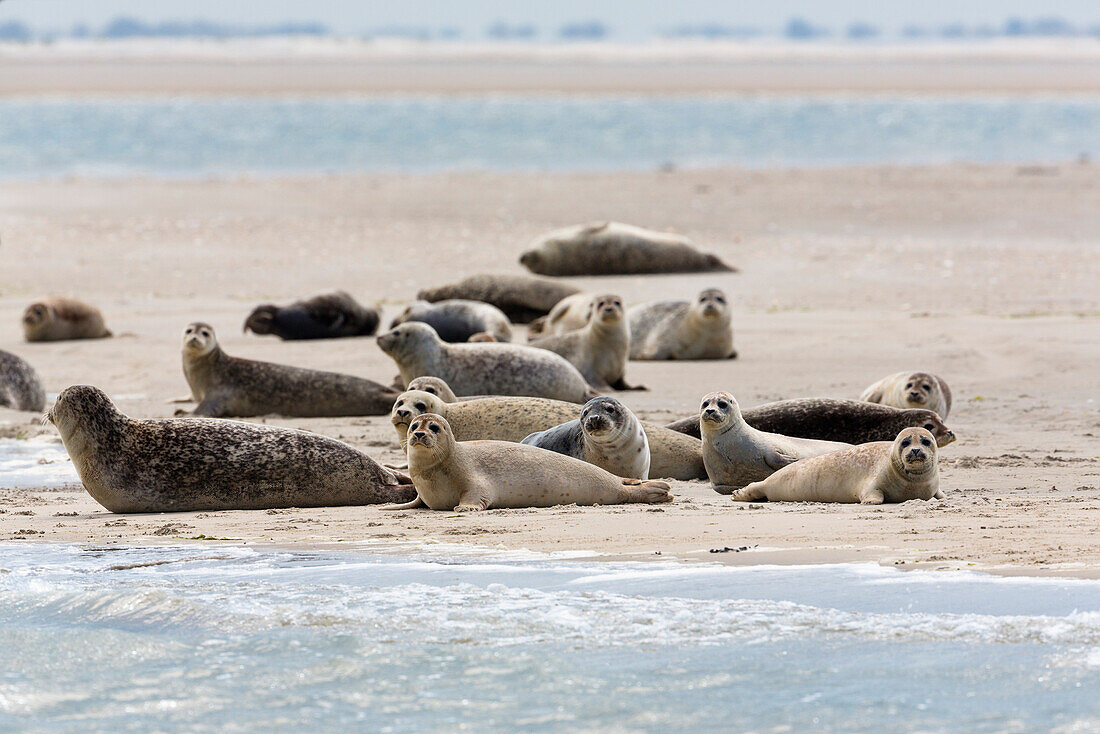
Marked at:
<point>36,462</point>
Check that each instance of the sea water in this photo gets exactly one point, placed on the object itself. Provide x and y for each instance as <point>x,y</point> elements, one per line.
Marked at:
<point>444,638</point>
<point>200,136</point>
<point>40,461</point>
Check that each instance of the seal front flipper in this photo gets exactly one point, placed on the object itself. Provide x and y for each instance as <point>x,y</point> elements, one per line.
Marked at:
<point>873,497</point>
<point>750,493</point>
<point>620,384</point>
<point>473,500</point>
<point>778,458</point>
<point>181,399</point>
<point>212,406</point>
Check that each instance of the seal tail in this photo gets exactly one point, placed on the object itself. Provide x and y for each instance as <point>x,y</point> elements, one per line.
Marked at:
<point>649,491</point>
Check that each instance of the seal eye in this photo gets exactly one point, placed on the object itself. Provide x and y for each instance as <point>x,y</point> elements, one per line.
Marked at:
<point>421,406</point>
<point>430,390</point>
<point>925,442</point>
<point>926,388</point>
<point>929,427</point>
<point>905,442</point>
<point>433,428</point>
<point>908,385</point>
<point>723,404</point>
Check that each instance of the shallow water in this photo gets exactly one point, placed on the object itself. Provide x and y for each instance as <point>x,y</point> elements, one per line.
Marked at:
<point>415,638</point>
<point>35,462</point>
<point>227,136</point>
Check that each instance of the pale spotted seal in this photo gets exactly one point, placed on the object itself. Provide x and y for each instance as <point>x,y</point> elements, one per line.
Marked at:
<point>58,319</point>
<point>568,314</point>
<point>600,349</point>
<point>327,316</point>
<point>521,297</point>
<point>884,471</point>
<point>683,330</point>
<point>190,464</point>
<point>457,320</point>
<point>911,390</point>
<point>613,248</point>
<point>736,454</point>
<point>231,386</point>
<point>20,388</point>
<point>482,475</point>
<point>606,434</point>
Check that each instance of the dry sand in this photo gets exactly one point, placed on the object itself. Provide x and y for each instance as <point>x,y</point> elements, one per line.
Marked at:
<point>985,275</point>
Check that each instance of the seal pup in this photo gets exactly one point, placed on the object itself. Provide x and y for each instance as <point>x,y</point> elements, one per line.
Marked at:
<point>482,475</point>
<point>483,369</point>
<point>521,297</point>
<point>606,434</point>
<point>736,454</point>
<point>327,316</point>
<point>599,350</point>
<point>683,330</point>
<point>871,474</point>
<point>458,320</point>
<point>20,387</point>
<point>827,419</point>
<point>911,390</point>
<point>568,314</point>
<point>231,386</point>
<point>613,248</point>
<point>58,319</point>
<point>188,464</point>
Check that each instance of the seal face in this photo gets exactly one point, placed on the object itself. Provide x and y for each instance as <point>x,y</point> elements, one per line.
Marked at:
<point>457,320</point>
<point>600,349</point>
<point>872,473</point>
<point>191,464</point>
<point>698,329</point>
<point>60,319</point>
<point>911,390</point>
<point>607,434</point>
<point>521,298</point>
<point>327,316</point>
<point>20,386</point>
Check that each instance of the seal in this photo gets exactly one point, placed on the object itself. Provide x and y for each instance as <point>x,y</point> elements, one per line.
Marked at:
<point>521,297</point>
<point>826,419</point>
<point>231,386</point>
<point>20,387</point>
<point>327,316</point>
<point>673,455</point>
<point>737,454</point>
<point>568,314</point>
<point>599,351</point>
<point>59,319</point>
<point>613,248</point>
<point>911,390</point>
<point>188,464</point>
<point>482,475</point>
<point>483,336</point>
<point>683,329</point>
<point>457,320</point>
<point>606,434</point>
<point>871,474</point>
<point>483,369</point>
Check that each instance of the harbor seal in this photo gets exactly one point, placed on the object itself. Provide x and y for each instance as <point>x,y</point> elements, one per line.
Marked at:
<point>327,316</point>
<point>827,419</point>
<point>871,474</point>
<point>483,369</point>
<point>20,387</point>
<point>737,454</point>
<point>188,464</point>
<point>613,248</point>
<point>682,329</point>
<point>59,319</point>
<point>911,390</point>
<point>458,320</point>
<point>230,386</point>
<point>568,314</point>
<point>599,351</point>
<point>521,297</point>
<point>484,336</point>
<point>606,434</point>
<point>482,475</point>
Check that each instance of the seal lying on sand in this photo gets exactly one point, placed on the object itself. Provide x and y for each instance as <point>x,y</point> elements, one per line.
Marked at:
<point>328,316</point>
<point>568,314</point>
<point>458,320</point>
<point>521,297</point>
<point>483,369</point>
<point>607,434</point>
<point>612,248</point>
<point>20,388</point>
<point>911,390</point>
<point>682,329</point>
<point>600,349</point>
<point>481,475</point>
<point>826,419</point>
<point>230,386</point>
<point>192,464</point>
<point>736,454</point>
<point>58,319</point>
<point>883,471</point>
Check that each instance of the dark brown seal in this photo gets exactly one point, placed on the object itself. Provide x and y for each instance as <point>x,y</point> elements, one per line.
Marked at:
<point>327,316</point>
<point>20,388</point>
<point>521,297</point>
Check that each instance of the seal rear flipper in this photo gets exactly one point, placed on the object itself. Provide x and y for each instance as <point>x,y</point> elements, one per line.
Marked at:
<point>407,506</point>
<point>716,263</point>
<point>688,426</point>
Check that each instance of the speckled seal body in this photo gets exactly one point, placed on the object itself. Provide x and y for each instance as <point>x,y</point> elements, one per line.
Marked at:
<point>483,368</point>
<point>698,329</point>
<point>457,320</point>
<point>568,314</point>
<point>600,349</point>
<point>327,316</point>
<point>613,248</point>
<point>20,387</point>
<point>921,390</point>
<point>481,475</point>
<point>873,473</point>
<point>827,419</point>
<point>606,434</point>
<point>188,464</point>
<point>59,319</point>
<point>229,386</point>
<point>521,297</point>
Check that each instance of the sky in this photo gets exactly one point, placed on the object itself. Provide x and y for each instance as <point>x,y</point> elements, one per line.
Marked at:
<point>627,18</point>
